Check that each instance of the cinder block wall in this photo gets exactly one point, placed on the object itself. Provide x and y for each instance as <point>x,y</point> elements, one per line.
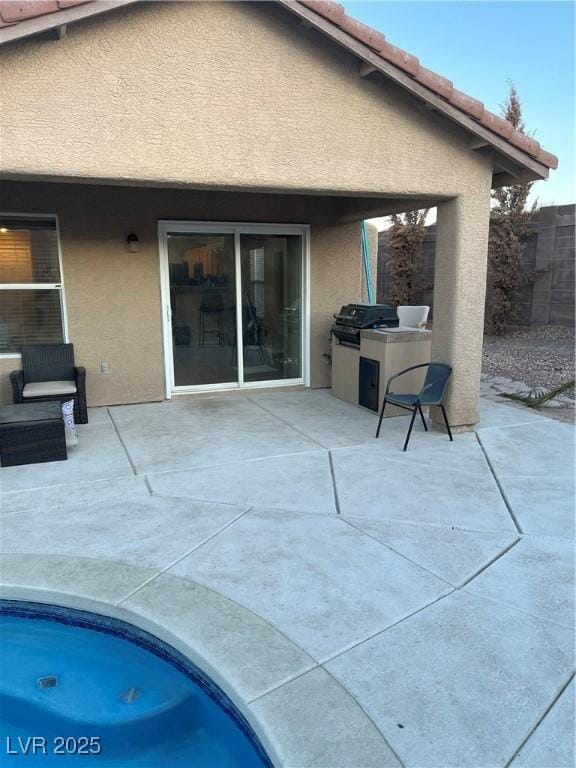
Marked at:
<point>548,261</point>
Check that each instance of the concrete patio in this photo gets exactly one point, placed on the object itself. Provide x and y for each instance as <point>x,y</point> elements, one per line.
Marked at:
<point>365,607</point>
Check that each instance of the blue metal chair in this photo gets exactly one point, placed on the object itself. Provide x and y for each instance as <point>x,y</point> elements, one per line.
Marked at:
<point>432,393</point>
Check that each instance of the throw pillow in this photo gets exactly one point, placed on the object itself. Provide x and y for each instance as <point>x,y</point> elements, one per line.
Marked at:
<point>69,427</point>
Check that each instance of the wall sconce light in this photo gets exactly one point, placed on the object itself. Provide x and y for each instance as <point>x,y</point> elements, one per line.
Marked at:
<point>133,242</point>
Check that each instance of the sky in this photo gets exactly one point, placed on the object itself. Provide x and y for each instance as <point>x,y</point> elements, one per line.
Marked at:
<point>480,45</point>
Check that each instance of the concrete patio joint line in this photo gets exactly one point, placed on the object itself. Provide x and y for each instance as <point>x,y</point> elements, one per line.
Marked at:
<point>540,720</point>
<point>396,755</point>
<point>72,484</point>
<point>512,607</point>
<point>182,557</point>
<point>287,423</point>
<point>194,467</point>
<point>200,500</point>
<point>379,632</point>
<point>404,557</point>
<point>499,486</point>
<point>531,419</point>
<point>147,484</point>
<point>439,526</point>
<point>122,443</point>
<point>313,663</point>
<point>489,563</point>
<point>339,684</point>
<point>288,680</point>
<point>334,486</point>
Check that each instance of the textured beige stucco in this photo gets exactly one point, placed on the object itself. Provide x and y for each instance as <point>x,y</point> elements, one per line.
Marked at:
<point>336,278</point>
<point>221,94</point>
<point>113,296</point>
<point>237,96</point>
<point>459,288</point>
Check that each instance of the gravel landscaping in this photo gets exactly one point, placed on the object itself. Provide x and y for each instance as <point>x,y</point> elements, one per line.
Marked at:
<point>542,356</point>
<point>525,358</point>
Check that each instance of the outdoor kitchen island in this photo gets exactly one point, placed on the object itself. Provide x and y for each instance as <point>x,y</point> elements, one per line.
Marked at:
<point>360,371</point>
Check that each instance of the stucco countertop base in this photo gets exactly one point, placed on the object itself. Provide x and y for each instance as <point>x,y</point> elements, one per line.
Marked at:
<point>395,336</point>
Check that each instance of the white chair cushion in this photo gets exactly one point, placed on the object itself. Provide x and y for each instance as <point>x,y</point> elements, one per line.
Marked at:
<point>48,388</point>
<point>411,317</point>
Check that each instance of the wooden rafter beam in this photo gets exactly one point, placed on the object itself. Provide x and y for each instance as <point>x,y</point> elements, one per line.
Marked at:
<point>62,18</point>
<point>366,69</point>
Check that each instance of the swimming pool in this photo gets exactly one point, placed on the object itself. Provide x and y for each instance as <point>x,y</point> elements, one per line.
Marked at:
<point>78,688</point>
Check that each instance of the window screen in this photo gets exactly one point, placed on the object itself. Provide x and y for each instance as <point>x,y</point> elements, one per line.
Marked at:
<point>30,283</point>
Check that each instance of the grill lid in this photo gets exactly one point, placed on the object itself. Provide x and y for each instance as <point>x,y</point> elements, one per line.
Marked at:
<point>366,315</point>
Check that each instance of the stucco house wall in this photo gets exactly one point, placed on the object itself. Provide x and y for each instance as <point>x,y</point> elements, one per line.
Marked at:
<point>113,296</point>
<point>231,96</point>
<point>220,94</point>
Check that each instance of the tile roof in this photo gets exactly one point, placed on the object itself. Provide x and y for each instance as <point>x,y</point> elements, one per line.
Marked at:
<point>12,11</point>
<point>335,13</point>
<point>16,12</point>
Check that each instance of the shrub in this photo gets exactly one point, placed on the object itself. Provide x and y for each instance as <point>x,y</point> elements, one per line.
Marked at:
<point>508,224</point>
<point>406,246</point>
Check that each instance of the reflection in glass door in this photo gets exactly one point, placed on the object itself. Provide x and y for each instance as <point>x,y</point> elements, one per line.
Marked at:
<point>271,269</point>
<point>234,298</point>
<point>203,308</point>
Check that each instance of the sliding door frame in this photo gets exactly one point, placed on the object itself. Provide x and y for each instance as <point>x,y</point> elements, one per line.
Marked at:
<point>166,227</point>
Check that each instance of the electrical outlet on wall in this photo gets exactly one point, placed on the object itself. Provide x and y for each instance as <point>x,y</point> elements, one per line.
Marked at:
<point>105,367</point>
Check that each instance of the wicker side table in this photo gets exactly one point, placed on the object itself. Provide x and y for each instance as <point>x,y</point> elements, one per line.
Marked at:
<point>31,433</point>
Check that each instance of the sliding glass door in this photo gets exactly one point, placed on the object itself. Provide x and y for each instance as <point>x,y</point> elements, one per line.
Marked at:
<point>202,281</point>
<point>271,278</point>
<point>234,301</point>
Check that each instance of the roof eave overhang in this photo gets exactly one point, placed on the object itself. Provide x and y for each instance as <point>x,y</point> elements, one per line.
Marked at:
<point>528,169</point>
<point>511,165</point>
<point>58,19</point>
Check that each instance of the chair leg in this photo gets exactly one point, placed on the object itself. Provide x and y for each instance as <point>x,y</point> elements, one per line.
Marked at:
<point>82,409</point>
<point>446,422</point>
<point>381,417</point>
<point>410,429</point>
<point>423,419</point>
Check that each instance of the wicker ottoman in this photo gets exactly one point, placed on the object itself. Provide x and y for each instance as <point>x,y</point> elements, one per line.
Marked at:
<point>31,433</point>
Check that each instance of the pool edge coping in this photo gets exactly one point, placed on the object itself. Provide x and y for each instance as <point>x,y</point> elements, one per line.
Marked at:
<point>50,588</point>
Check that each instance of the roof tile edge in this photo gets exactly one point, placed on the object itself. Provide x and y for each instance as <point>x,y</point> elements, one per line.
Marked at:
<point>440,85</point>
<point>13,13</point>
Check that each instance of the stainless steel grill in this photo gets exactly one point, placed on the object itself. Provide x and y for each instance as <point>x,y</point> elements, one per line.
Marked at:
<point>354,318</point>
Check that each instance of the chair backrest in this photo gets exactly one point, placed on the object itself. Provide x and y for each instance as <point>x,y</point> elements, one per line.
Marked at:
<point>411,316</point>
<point>48,362</point>
<point>437,375</point>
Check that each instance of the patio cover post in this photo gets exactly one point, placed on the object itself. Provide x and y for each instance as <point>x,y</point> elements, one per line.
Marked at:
<point>459,293</point>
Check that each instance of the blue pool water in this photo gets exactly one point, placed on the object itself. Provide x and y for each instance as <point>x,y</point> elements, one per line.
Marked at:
<point>96,691</point>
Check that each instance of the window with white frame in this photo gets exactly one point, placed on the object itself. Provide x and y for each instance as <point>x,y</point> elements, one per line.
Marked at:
<point>31,301</point>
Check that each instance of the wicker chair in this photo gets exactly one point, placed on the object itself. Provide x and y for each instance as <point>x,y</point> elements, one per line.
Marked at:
<point>49,373</point>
